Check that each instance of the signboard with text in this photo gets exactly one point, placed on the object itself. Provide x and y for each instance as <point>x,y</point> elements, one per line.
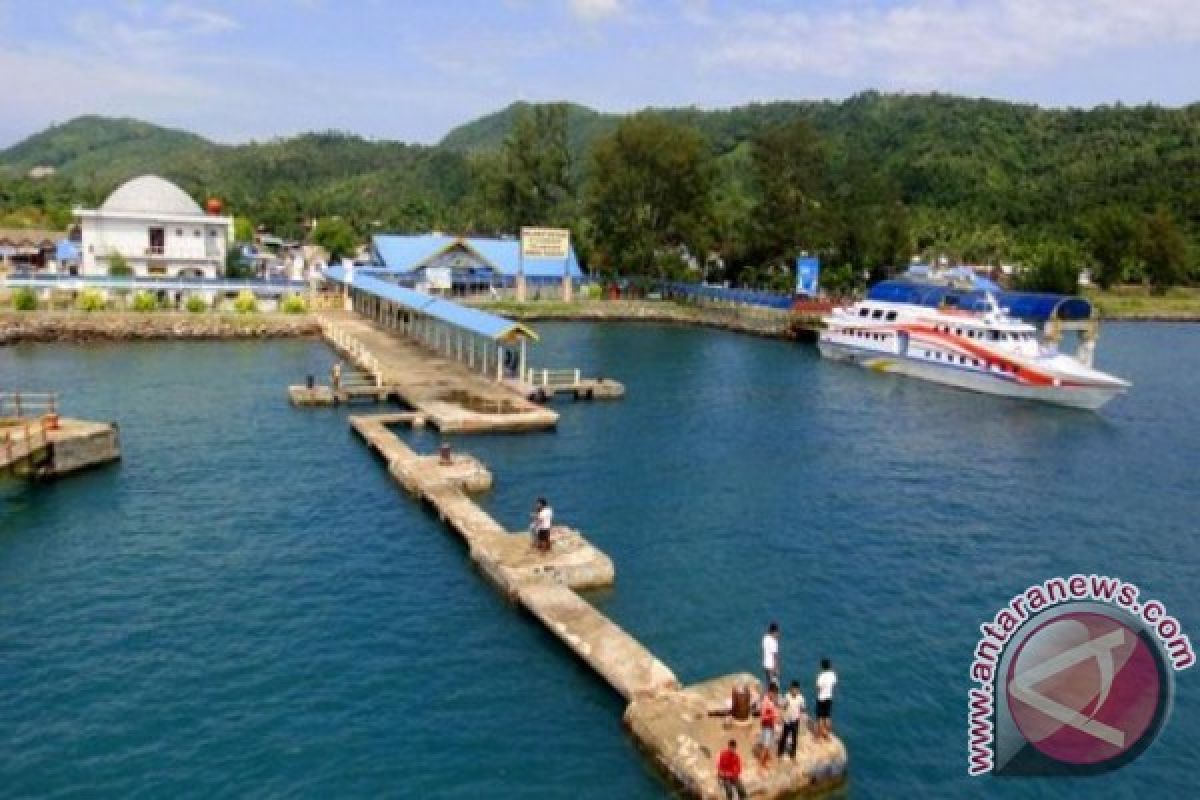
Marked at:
<point>439,277</point>
<point>808,272</point>
<point>545,243</point>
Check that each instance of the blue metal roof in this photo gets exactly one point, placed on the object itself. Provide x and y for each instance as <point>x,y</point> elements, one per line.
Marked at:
<point>472,320</point>
<point>407,253</point>
<point>1035,306</point>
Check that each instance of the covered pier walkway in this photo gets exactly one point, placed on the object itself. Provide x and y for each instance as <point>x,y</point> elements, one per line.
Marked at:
<point>491,345</point>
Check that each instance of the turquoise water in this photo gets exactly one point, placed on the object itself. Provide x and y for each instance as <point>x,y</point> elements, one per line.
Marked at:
<point>247,605</point>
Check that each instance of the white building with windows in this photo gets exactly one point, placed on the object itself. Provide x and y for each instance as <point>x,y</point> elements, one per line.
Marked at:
<point>159,230</point>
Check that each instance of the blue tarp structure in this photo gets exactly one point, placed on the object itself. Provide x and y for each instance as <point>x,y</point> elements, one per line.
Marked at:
<point>471,320</point>
<point>1035,306</point>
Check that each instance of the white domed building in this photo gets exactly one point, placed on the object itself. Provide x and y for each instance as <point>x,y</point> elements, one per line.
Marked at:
<point>158,229</point>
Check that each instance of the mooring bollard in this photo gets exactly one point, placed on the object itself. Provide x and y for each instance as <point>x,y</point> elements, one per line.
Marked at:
<point>444,457</point>
<point>741,704</point>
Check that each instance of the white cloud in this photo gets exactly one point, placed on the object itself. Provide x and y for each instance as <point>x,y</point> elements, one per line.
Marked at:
<point>923,44</point>
<point>596,10</point>
<point>200,20</point>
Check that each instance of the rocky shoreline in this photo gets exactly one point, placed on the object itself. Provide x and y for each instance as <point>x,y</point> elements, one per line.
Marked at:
<point>69,326</point>
<point>765,323</point>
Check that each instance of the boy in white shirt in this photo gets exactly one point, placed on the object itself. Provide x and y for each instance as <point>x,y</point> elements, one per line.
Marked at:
<point>826,681</point>
<point>770,648</point>
<point>543,521</point>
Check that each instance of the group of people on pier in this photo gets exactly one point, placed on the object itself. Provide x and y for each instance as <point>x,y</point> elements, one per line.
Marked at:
<point>781,717</point>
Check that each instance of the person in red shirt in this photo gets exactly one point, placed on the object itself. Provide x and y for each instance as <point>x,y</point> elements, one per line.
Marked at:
<point>768,711</point>
<point>729,772</point>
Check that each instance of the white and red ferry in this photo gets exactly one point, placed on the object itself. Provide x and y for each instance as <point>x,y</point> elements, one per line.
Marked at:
<point>966,339</point>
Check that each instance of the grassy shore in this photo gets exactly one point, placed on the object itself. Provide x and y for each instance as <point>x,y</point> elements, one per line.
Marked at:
<point>1130,302</point>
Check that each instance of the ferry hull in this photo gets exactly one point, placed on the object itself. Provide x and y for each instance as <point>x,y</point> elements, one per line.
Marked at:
<point>1088,398</point>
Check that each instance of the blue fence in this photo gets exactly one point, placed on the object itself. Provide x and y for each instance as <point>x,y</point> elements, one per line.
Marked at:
<point>719,294</point>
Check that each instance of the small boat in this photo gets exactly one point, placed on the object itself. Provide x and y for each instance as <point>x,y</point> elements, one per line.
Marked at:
<point>964,337</point>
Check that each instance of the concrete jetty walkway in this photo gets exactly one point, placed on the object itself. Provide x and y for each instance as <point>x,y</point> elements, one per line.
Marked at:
<point>445,391</point>
<point>682,729</point>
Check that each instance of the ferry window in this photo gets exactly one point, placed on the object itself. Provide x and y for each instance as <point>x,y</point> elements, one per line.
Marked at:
<point>891,315</point>
<point>862,312</point>
<point>958,331</point>
<point>179,231</point>
<point>962,359</point>
<point>877,313</point>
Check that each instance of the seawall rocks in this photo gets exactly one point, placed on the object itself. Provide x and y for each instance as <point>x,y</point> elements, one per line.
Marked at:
<point>65,326</point>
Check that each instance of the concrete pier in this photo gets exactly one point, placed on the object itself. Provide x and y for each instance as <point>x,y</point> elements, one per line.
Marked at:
<point>680,728</point>
<point>72,445</point>
<point>683,731</point>
<point>446,392</point>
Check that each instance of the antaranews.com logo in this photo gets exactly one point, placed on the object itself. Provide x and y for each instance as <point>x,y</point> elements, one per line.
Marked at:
<point>1075,676</point>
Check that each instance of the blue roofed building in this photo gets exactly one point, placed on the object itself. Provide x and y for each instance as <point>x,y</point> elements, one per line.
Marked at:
<point>463,265</point>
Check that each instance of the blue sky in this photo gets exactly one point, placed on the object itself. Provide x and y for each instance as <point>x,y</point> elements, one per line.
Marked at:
<point>235,70</point>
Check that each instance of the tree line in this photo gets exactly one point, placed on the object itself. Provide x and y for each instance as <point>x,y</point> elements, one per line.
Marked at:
<point>866,184</point>
<point>652,198</point>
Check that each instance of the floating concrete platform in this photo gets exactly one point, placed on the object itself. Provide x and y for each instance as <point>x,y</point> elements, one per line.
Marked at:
<point>583,389</point>
<point>511,561</point>
<point>74,445</point>
<point>683,731</point>
<point>676,726</point>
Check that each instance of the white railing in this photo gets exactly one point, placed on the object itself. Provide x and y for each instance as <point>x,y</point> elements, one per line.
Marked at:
<point>28,404</point>
<point>354,349</point>
<point>552,377</point>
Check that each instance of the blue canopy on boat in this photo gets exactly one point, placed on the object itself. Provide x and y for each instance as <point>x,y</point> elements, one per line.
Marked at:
<point>1035,306</point>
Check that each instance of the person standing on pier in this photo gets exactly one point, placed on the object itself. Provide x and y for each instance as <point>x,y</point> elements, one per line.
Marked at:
<point>794,713</point>
<point>768,713</point>
<point>826,680</point>
<point>543,521</point>
<point>729,772</point>
<point>335,376</point>
<point>770,648</point>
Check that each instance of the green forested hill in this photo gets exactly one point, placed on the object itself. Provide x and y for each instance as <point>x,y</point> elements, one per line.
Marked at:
<point>981,179</point>
<point>102,146</point>
<point>988,161</point>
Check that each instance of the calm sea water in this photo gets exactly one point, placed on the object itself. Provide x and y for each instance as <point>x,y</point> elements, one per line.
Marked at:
<point>247,605</point>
